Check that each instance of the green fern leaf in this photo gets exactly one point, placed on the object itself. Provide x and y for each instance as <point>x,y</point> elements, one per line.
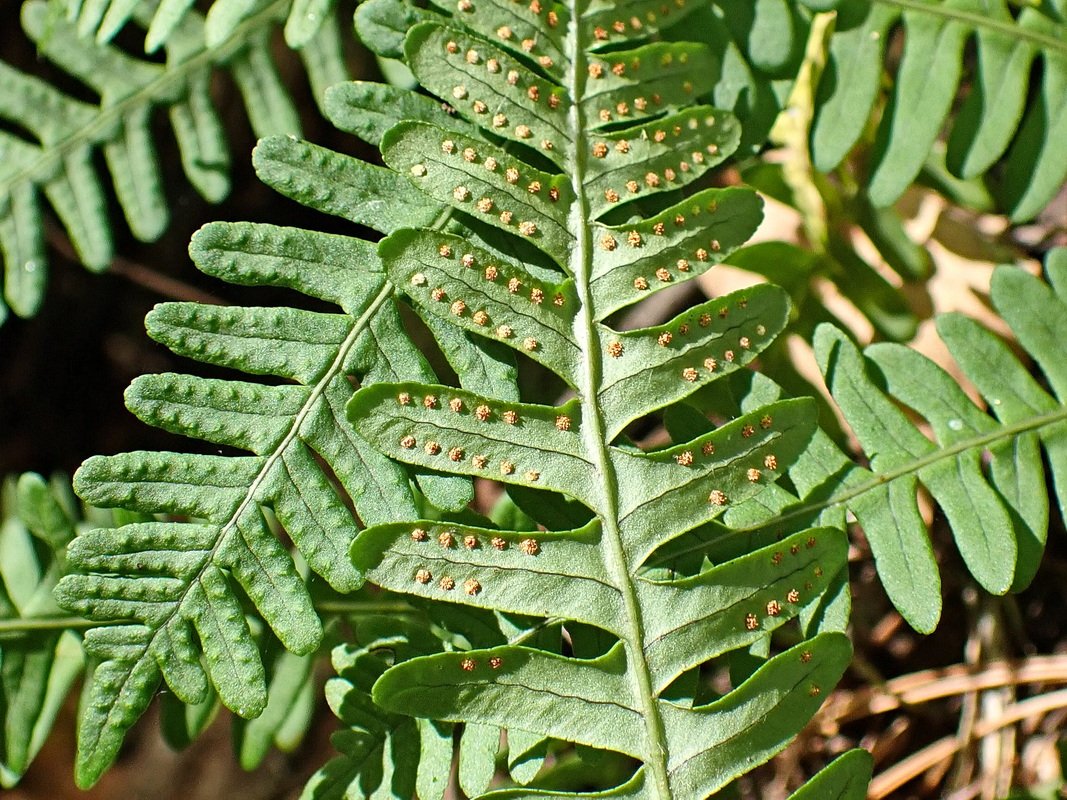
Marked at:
<point>69,131</point>
<point>998,514</point>
<point>176,577</point>
<point>39,660</point>
<point>846,778</point>
<point>995,122</point>
<point>287,715</point>
<point>568,108</point>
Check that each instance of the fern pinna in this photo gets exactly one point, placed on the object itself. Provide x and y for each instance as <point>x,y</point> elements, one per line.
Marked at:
<point>603,120</point>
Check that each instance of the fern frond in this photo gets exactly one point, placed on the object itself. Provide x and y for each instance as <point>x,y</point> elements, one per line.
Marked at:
<point>40,654</point>
<point>103,20</point>
<point>752,57</point>
<point>68,132</point>
<point>984,468</point>
<point>846,778</point>
<point>995,121</point>
<point>173,578</point>
<point>592,119</point>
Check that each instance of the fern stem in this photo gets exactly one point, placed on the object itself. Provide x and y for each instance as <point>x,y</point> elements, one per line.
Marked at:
<point>802,509</point>
<point>976,21</point>
<point>21,625</point>
<point>594,432</point>
<point>1006,432</point>
<point>364,607</point>
<point>139,274</point>
<point>530,633</point>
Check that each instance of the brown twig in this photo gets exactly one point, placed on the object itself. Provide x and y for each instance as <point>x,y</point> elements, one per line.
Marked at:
<point>164,285</point>
<point>921,687</point>
<point>918,763</point>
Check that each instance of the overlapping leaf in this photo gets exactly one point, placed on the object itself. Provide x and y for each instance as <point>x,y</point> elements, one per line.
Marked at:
<point>37,667</point>
<point>68,132</point>
<point>103,19</point>
<point>500,69</point>
<point>996,121</point>
<point>168,580</point>
<point>985,468</point>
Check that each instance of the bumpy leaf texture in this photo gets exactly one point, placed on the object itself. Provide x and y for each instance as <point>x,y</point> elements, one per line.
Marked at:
<point>586,132</point>
<point>159,582</point>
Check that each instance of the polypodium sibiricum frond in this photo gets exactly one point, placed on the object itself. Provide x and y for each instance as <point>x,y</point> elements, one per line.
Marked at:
<point>62,135</point>
<point>588,132</point>
<point>155,582</point>
<point>1012,114</point>
<point>37,667</point>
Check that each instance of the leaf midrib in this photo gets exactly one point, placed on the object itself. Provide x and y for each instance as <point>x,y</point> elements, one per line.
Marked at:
<point>594,427</point>
<point>226,529</point>
<point>975,22</point>
<point>1002,433</point>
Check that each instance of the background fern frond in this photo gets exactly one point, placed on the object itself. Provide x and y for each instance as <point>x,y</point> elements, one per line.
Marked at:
<point>400,753</point>
<point>102,20</point>
<point>67,132</point>
<point>41,655</point>
<point>984,468</point>
<point>995,122</point>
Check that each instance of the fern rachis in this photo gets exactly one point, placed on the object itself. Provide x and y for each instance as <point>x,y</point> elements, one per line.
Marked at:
<point>640,500</point>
